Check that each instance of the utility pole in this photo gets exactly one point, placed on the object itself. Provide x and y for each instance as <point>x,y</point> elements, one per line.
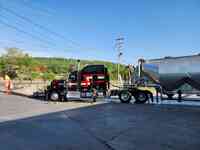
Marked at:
<point>119,47</point>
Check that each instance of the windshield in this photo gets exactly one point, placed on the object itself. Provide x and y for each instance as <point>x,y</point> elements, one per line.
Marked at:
<point>95,69</point>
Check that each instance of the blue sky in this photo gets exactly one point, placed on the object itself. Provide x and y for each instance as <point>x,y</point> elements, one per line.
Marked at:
<point>151,28</point>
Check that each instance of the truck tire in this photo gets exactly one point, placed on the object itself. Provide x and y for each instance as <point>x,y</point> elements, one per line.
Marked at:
<point>81,95</point>
<point>125,96</point>
<point>170,96</point>
<point>141,97</point>
<point>46,97</point>
<point>65,97</point>
<point>54,96</point>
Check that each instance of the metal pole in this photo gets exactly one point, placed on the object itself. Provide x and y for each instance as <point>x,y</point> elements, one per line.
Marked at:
<point>119,45</point>
<point>78,64</point>
<point>139,68</point>
<point>77,76</point>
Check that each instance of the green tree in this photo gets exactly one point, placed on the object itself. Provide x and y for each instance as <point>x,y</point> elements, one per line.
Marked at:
<point>48,76</point>
<point>15,60</point>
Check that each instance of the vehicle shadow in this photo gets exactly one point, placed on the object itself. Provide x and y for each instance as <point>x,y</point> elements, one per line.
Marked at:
<point>106,126</point>
<point>194,99</point>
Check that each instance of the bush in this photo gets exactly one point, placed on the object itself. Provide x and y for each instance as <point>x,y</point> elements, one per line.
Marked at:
<point>35,75</point>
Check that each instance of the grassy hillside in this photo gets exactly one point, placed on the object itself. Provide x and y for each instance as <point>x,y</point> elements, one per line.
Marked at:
<point>63,65</point>
<point>20,65</point>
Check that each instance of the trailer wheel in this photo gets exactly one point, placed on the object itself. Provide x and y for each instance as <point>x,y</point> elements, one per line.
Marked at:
<point>105,93</point>
<point>125,96</point>
<point>141,97</point>
<point>54,96</point>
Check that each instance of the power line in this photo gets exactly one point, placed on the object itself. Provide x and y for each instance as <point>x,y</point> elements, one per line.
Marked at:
<point>38,25</point>
<point>44,28</point>
<point>21,24</point>
<point>46,47</point>
<point>43,10</point>
<point>17,42</point>
<point>24,32</point>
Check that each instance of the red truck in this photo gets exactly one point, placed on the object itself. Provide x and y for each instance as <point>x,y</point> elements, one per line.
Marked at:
<point>73,81</point>
<point>88,78</point>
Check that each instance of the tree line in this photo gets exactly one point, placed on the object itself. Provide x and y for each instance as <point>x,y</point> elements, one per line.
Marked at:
<point>20,65</point>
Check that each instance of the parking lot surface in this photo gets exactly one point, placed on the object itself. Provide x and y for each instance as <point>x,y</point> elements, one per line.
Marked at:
<point>29,124</point>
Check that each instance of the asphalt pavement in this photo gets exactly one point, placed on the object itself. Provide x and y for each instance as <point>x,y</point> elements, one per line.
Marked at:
<point>30,124</point>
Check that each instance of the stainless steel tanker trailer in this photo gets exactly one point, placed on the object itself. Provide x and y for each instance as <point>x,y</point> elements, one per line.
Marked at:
<point>169,75</point>
<point>174,74</point>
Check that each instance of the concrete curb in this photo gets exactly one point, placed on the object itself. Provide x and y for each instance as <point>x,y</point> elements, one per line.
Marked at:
<point>18,94</point>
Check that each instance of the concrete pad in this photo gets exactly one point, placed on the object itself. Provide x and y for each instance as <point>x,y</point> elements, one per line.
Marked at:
<point>85,126</point>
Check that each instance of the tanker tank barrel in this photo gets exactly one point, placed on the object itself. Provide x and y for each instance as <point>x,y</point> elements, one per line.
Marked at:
<point>174,73</point>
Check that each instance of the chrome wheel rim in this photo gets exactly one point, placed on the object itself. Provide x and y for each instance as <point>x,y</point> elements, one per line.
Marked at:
<point>54,96</point>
